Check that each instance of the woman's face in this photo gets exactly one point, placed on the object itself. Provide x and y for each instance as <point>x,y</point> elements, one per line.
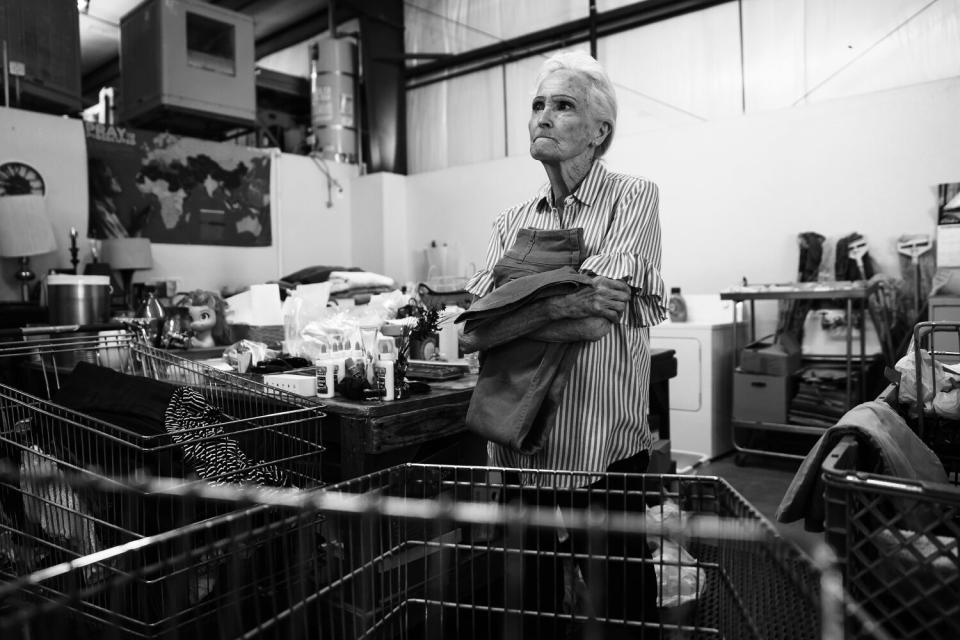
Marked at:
<point>562,123</point>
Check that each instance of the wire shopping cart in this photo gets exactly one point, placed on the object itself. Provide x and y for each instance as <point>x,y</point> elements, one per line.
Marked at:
<point>422,551</point>
<point>897,540</point>
<point>109,406</point>
<point>940,341</point>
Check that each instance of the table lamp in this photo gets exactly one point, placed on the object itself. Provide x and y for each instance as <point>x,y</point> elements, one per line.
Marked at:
<point>126,255</point>
<point>25,231</point>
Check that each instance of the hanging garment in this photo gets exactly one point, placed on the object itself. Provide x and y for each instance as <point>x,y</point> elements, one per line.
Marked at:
<point>811,253</point>
<point>828,252</point>
<point>793,312</point>
<point>849,268</point>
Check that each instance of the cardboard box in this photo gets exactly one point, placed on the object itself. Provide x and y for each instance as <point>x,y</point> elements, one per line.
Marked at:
<point>762,398</point>
<point>767,358</point>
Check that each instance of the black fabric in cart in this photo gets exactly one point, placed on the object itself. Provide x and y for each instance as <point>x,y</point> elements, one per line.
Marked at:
<point>134,403</point>
<point>157,410</point>
<point>181,436</point>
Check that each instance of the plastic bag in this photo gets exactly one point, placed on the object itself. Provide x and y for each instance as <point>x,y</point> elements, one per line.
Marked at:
<point>939,387</point>
<point>235,354</point>
<point>946,402</point>
<point>679,575</point>
<point>907,367</point>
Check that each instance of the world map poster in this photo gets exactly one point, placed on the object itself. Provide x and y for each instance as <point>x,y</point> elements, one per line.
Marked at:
<point>174,189</point>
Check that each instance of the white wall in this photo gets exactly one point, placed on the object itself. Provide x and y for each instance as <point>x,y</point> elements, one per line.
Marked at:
<point>736,193</point>
<point>457,206</point>
<point>315,215</point>
<point>54,147</point>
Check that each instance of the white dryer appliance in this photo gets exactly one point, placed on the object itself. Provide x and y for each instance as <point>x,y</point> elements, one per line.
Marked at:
<point>701,393</point>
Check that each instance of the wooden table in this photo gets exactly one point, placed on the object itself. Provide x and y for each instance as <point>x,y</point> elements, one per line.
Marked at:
<point>366,436</point>
<point>663,366</point>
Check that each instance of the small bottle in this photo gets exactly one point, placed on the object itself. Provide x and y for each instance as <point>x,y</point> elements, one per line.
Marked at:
<point>676,306</point>
<point>338,361</point>
<point>153,312</point>
<point>384,377</point>
<point>326,379</point>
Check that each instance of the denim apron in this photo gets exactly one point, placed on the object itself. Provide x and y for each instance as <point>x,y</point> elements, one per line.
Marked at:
<point>521,382</point>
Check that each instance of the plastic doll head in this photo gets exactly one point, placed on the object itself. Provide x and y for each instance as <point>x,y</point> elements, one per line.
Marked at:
<point>208,315</point>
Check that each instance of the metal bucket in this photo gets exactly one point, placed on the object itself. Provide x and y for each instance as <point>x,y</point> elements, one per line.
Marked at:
<point>78,299</point>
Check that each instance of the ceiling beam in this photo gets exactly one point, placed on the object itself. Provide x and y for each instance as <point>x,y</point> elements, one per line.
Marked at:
<point>305,28</point>
<point>90,84</point>
<point>603,24</point>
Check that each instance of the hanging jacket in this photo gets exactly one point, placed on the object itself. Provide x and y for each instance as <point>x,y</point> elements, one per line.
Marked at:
<point>876,425</point>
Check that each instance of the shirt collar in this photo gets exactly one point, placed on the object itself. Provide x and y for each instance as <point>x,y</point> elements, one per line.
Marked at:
<point>586,193</point>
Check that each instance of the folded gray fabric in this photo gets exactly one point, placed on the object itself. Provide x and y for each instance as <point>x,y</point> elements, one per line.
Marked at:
<point>877,426</point>
<point>522,291</point>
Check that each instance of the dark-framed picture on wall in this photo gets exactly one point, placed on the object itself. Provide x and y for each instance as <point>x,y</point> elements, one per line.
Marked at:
<point>175,189</point>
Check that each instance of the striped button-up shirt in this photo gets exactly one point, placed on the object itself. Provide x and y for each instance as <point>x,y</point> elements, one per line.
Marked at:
<point>602,416</point>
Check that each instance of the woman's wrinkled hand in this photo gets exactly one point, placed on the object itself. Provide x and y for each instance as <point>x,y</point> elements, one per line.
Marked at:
<point>608,299</point>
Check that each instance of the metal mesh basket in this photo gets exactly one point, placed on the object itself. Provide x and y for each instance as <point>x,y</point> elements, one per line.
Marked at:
<point>441,575</point>
<point>434,552</point>
<point>225,429</point>
<point>939,429</point>
<point>207,577</point>
<point>896,539</point>
<point>46,400</point>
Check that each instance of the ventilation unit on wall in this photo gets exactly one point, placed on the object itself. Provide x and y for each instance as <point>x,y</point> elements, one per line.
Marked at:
<point>186,65</point>
<point>41,42</point>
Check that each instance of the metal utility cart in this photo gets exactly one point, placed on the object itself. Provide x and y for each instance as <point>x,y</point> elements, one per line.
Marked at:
<point>855,295</point>
<point>423,551</point>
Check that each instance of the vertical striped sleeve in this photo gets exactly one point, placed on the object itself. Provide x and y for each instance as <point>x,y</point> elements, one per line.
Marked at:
<point>631,249</point>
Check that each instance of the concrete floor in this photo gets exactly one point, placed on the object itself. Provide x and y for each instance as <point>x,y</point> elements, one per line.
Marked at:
<point>763,482</point>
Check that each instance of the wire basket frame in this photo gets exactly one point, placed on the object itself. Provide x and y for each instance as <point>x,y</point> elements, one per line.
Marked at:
<point>896,540</point>
<point>42,390</point>
<point>421,551</point>
<point>225,429</point>
<point>940,432</point>
<point>222,576</point>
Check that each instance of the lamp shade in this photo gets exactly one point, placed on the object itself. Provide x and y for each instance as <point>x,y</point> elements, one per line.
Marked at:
<point>127,253</point>
<point>25,229</point>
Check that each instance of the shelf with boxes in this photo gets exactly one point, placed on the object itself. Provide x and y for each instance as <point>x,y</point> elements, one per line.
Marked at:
<point>778,391</point>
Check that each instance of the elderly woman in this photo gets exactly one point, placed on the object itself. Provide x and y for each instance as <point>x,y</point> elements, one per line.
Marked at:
<point>610,222</point>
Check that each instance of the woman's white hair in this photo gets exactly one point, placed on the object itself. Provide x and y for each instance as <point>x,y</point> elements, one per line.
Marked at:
<point>603,97</point>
